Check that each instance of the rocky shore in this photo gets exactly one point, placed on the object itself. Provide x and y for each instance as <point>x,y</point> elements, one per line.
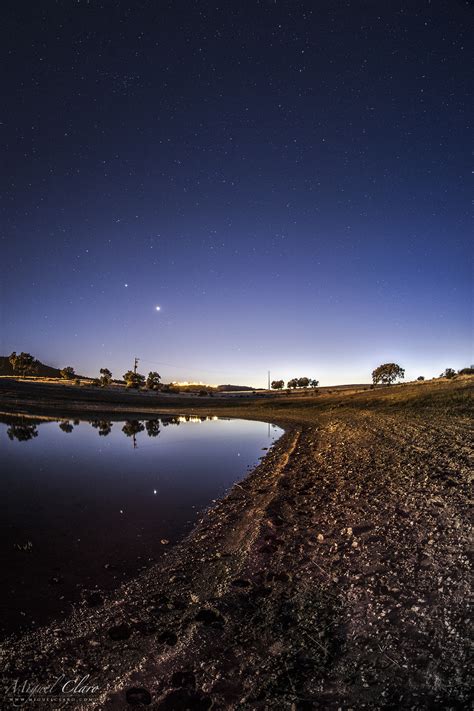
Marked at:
<point>335,576</point>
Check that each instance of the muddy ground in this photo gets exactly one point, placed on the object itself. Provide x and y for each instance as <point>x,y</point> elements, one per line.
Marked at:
<point>336,576</point>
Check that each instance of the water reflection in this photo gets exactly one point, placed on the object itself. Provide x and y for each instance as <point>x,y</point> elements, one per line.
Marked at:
<point>26,428</point>
<point>104,427</point>
<point>22,431</point>
<point>66,426</point>
<point>82,506</point>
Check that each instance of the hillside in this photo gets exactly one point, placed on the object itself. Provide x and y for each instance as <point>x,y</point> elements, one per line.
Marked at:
<point>44,371</point>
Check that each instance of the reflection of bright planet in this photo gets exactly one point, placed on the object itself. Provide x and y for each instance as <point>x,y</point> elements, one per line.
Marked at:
<point>158,308</point>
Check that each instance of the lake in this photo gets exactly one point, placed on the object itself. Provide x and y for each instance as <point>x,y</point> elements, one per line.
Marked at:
<point>84,505</point>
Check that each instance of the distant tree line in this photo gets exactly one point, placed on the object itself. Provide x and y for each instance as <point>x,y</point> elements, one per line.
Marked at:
<point>24,364</point>
<point>295,383</point>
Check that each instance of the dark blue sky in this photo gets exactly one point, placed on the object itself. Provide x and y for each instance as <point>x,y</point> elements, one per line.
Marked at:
<point>289,181</point>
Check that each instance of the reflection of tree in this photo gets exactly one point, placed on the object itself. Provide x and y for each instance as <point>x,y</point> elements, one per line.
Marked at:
<point>132,427</point>
<point>66,426</point>
<point>165,421</point>
<point>152,428</point>
<point>22,432</point>
<point>104,427</point>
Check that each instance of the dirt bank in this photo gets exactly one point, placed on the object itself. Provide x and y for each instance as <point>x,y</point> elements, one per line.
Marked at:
<point>335,576</point>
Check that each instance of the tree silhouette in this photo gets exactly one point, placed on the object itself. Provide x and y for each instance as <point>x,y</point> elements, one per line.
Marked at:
<point>67,373</point>
<point>66,426</point>
<point>153,380</point>
<point>448,373</point>
<point>23,364</point>
<point>133,380</point>
<point>278,384</point>
<point>132,427</point>
<point>387,373</point>
<point>22,432</point>
<point>105,377</point>
<point>152,428</point>
<point>103,426</point>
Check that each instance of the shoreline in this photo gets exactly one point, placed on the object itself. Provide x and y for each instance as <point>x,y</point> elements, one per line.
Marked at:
<point>310,582</point>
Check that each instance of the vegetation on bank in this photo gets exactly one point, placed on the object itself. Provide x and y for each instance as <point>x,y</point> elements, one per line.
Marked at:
<point>26,365</point>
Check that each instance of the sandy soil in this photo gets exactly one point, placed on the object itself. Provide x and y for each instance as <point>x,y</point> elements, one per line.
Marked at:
<point>335,576</point>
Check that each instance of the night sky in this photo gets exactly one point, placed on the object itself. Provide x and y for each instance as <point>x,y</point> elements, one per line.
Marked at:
<point>288,181</point>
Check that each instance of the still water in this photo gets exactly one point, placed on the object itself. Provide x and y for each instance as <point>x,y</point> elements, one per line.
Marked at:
<point>84,505</point>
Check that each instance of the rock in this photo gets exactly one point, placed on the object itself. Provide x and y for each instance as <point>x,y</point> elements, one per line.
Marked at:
<point>210,618</point>
<point>138,697</point>
<point>120,632</point>
<point>168,637</point>
<point>184,700</point>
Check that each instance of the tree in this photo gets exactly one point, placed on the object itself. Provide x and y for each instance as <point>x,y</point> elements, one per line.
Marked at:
<point>448,373</point>
<point>278,384</point>
<point>153,380</point>
<point>303,382</point>
<point>421,377</point>
<point>466,371</point>
<point>132,427</point>
<point>66,426</point>
<point>23,364</point>
<point>152,428</point>
<point>314,383</point>
<point>104,427</point>
<point>105,377</point>
<point>133,380</point>
<point>387,373</point>
<point>67,373</point>
<point>293,383</point>
<point>22,432</point>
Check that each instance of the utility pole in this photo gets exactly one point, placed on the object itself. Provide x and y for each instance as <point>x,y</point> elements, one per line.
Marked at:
<point>135,364</point>
<point>269,380</point>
